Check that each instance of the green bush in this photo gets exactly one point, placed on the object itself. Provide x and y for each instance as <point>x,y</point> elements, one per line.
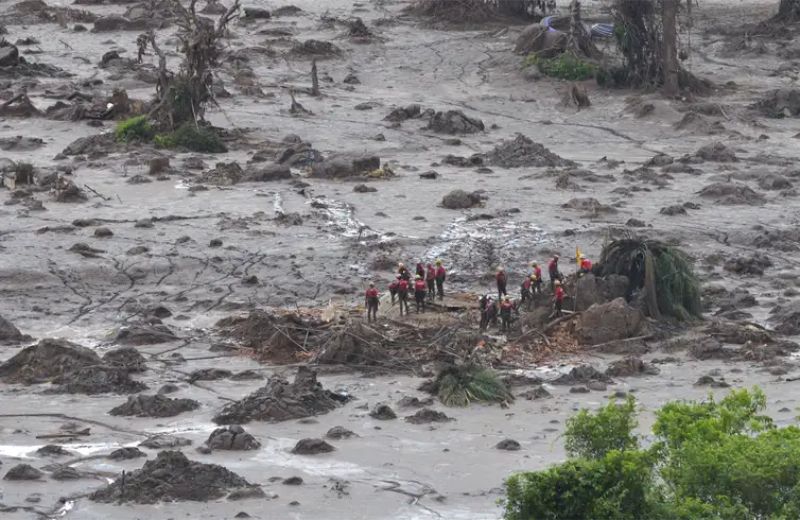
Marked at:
<point>566,66</point>
<point>193,138</point>
<point>134,129</point>
<point>709,461</point>
<point>469,383</point>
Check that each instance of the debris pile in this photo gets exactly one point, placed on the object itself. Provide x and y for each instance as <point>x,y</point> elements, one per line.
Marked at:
<point>522,152</point>
<point>232,438</point>
<point>154,406</point>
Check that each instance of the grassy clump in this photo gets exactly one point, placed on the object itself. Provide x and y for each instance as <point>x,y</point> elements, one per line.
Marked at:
<point>134,129</point>
<point>193,138</point>
<point>464,384</point>
<point>665,273</point>
<point>566,66</point>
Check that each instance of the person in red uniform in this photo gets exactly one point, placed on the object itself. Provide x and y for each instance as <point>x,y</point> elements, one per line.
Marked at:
<point>505,313</point>
<point>402,294</point>
<point>552,270</point>
<point>525,291</point>
<point>441,274</point>
<point>558,298</point>
<point>372,302</point>
<point>419,293</point>
<point>501,280</point>
<point>403,272</point>
<point>393,287</point>
<point>537,272</point>
<point>420,270</point>
<point>586,265</point>
<point>430,280</point>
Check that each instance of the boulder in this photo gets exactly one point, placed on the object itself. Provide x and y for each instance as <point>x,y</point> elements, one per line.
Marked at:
<point>454,122</point>
<point>785,318</point>
<point>23,472</point>
<point>339,433</point>
<point>126,453</point>
<point>267,173</point>
<point>383,412</point>
<point>426,415</point>
<point>460,199</point>
<point>610,321</point>
<point>591,289</point>
<point>9,56</point>
<point>154,406</point>
<point>45,361</point>
<point>127,358</point>
<point>164,441</point>
<point>312,447</point>
<point>342,166</point>
<point>232,438</point>
<point>11,334</point>
<point>508,445</point>
<point>144,335</point>
<point>581,374</point>
<point>631,366</point>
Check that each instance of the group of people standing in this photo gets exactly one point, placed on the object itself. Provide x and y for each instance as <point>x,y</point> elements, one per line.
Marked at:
<point>428,283</point>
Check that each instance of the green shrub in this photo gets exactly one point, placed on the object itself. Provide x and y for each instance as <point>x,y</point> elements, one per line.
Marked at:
<point>134,129</point>
<point>709,461</point>
<point>566,66</point>
<point>464,384</point>
<point>188,136</point>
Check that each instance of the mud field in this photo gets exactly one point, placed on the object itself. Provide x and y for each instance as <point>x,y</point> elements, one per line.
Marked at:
<point>149,256</point>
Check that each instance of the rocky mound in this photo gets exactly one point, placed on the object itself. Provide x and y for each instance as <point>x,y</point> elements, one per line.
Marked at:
<point>339,433</point>
<point>780,103</point>
<point>631,366</point>
<point>209,374</point>
<point>232,438</point>
<point>45,361</point>
<point>714,152</point>
<point>280,400</point>
<point>126,454</point>
<point>521,152</point>
<point>786,318</point>
<point>127,358</point>
<point>172,477</point>
<point>154,406</point>
<point>454,122</point>
<point>343,166</point>
<point>10,334</point>
<point>581,374</point>
<point>23,472</point>
<point>732,194</point>
<point>312,447</point>
<point>610,321</point>
<point>754,265</point>
<point>460,199</point>
<point>144,335</point>
<point>98,379</point>
<point>426,415</point>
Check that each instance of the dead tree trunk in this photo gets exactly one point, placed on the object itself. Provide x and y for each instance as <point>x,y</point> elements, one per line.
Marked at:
<point>670,67</point>
<point>789,10</point>
<point>314,79</point>
<point>574,24</point>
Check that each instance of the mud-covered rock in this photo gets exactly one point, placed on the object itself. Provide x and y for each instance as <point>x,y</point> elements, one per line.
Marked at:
<point>256,13</point>
<point>280,400</point>
<point>754,265</point>
<point>266,173</point>
<point>63,472</point>
<point>581,374</point>
<point>774,182</point>
<point>154,406</point>
<point>784,102</point>
<point>45,361</point>
<point>126,453</point>
<point>342,166</point>
<point>315,49</point>
<point>163,441</point>
<point>737,332</point>
<point>732,194</point>
<point>97,379</point>
<point>460,199</point>
<point>631,366</point>
<point>53,450</point>
<point>339,433</point>
<point>597,290</point>
<point>144,335</point>
<point>535,393</point>
<point>401,114</point>
<point>232,438</point>
<point>589,205</point>
<point>23,472</point>
<point>209,374</point>
<point>312,447</point>
<point>716,152</point>
<point>127,358</point>
<point>709,348</point>
<point>292,481</point>
<point>785,318</point>
<point>171,477</point>
<point>383,412</point>
<point>11,334</point>
<point>610,321</point>
<point>454,122</point>
<point>426,416</point>
<point>414,402</point>
<point>522,152</point>
<point>710,381</point>
<point>508,445</point>
<point>114,23</point>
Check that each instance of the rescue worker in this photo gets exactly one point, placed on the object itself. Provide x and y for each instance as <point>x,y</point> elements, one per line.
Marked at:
<point>419,293</point>
<point>488,311</point>
<point>402,294</point>
<point>393,287</point>
<point>420,270</point>
<point>586,265</point>
<point>430,279</point>
<point>441,274</point>
<point>552,270</point>
<point>372,302</point>
<point>526,297</point>
<point>537,272</point>
<point>505,313</point>
<point>403,272</point>
<point>558,298</point>
<point>501,280</point>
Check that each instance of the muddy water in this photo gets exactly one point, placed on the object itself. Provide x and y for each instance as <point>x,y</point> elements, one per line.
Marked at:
<point>394,469</point>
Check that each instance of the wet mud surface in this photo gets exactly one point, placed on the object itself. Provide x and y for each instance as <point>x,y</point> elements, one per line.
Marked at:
<point>111,294</point>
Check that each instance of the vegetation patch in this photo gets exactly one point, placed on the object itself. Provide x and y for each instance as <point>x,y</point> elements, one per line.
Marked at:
<point>191,137</point>
<point>461,385</point>
<point>134,129</point>
<point>566,66</point>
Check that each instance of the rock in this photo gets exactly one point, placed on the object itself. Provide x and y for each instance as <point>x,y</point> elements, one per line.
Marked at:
<point>535,393</point>
<point>52,450</point>
<point>403,113</point>
<point>85,250</point>
<point>454,122</point>
<point>127,358</point>
<point>596,290</point>
<point>126,453</point>
<point>671,211</point>
<point>163,441</point>
<point>785,318</point>
<point>597,386</point>
<point>280,400</point>
<point>97,379</point>
<point>590,205</point>
<point>432,175</point>
<point>508,445</point>
<point>414,402</point>
<point>19,143</point>
<point>114,23</point>
<point>339,433</point>
<point>426,415</point>
<point>23,472</point>
<point>731,194</point>
<point>137,250</point>
<point>754,265</point>
<point>315,48</point>
<point>209,374</point>
<point>158,165</point>
<point>383,412</point>
<point>581,374</point>
<point>103,232</point>
<point>460,199</point>
<point>45,361</point>
<point>247,375</point>
<point>172,477</point>
<point>710,381</point>
<point>312,447</point>
<point>522,152</point>
<point>579,390</point>
<point>716,152</point>
<point>144,335</point>
<point>774,182</point>
<point>631,366</point>
<point>10,334</point>
<point>351,79</point>
<point>256,13</point>
<point>66,473</point>
<point>292,481</point>
<point>268,173</point>
<point>363,188</point>
<point>635,222</point>
<point>9,55</point>
<point>247,493</point>
<point>784,102</point>
<point>341,166</point>
<point>232,438</point>
<point>610,321</point>
<point>154,406</point>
